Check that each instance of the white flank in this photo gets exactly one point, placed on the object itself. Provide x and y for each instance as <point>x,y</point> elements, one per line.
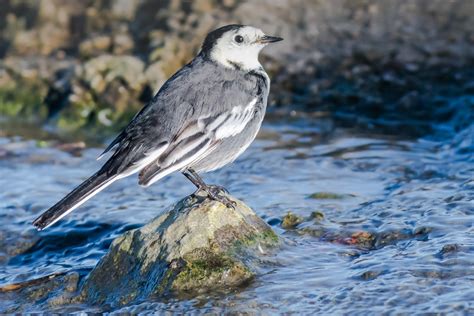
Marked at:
<point>179,166</point>
<point>139,165</point>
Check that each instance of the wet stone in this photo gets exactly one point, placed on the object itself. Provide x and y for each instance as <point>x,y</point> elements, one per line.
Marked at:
<point>291,220</point>
<point>13,244</point>
<point>449,250</point>
<point>49,291</point>
<point>327,196</point>
<point>317,216</point>
<point>370,275</point>
<point>197,246</point>
<point>362,239</point>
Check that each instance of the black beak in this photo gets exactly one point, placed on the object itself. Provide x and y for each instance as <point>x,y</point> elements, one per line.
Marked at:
<point>269,39</point>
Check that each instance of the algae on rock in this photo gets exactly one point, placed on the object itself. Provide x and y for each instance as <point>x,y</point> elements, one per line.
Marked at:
<point>198,245</point>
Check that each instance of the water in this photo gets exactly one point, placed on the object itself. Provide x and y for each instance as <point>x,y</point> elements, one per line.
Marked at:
<point>419,189</point>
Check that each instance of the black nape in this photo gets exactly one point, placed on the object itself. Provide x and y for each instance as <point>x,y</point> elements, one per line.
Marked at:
<point>213,36</point>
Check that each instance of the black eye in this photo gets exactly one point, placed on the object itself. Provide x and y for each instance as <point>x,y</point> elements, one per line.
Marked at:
<point>238,39</point>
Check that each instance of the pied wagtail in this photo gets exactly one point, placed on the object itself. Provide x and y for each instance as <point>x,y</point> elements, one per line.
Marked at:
<point>201,119</point>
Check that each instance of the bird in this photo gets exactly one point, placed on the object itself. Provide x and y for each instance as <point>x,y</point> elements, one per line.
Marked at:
<point>201,119</point>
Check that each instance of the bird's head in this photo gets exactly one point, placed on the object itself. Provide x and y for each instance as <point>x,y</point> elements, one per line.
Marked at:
<point>236,46</point>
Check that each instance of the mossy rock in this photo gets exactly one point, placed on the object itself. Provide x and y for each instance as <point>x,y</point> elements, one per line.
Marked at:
<point>198,245</point>
<point>290,221</point>
<point>328,196</point>
<point>204,270</point>
<point>23,102</point>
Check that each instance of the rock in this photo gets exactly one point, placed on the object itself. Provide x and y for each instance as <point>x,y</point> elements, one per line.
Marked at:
<point>327,195</point>
<point>94,46</point>
<point>104,90</point>
<point>198,245</point>
<point>291,220</point>
<point>317,216</point>
<point>45,292</point>
<point>336,231</point>
<point>14,243</point>
<point>26,41</point>
<point>124,9</point>
<point>172,52</point>
<point>102,70</point>
<point>122,44</point>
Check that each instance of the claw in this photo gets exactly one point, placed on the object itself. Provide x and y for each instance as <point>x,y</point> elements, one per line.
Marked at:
<point>215,193</point>
<point>231,204</point>
<point>217,189</point>
<point>228,203</point>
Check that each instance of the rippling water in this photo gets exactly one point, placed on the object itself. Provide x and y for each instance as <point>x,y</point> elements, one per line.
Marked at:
<point>416,195</point>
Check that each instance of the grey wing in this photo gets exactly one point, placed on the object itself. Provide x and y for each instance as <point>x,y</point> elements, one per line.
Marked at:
<point>197,140</point>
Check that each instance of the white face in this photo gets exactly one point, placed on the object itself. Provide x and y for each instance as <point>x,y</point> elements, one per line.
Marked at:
<point>239,47</point>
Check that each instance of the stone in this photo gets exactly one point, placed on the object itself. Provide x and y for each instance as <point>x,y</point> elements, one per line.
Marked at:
<point>124,9</point>
<point>291,220</point>
<point>327,195</point>
<point>95,46</point>
<point>199,245</point>
<point>47,292</point>
<point>122,44</point>
<point>102,70</point>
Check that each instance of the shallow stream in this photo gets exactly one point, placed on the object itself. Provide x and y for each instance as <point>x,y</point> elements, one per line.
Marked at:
<point>410,198</point>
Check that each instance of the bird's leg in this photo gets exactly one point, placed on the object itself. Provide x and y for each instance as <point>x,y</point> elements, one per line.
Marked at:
<point>200,184</point>
<point>195,179</point>
<point>213,191</point>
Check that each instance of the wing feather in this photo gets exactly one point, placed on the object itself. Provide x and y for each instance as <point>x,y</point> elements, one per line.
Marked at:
<point>195,141</point>
<point>180,156</point>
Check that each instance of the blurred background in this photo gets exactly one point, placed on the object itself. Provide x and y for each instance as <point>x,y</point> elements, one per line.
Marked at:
<point>89,63</point>
<point>370,125</point>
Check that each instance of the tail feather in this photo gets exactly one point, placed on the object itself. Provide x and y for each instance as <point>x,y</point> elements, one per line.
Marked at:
<point>70,202</point>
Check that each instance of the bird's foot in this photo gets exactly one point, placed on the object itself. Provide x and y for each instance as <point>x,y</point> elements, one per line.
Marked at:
<point>218,189</point>
<point>217,193</point>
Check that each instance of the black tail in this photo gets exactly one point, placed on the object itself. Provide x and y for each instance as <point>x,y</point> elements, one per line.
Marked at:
<point>79,195</point>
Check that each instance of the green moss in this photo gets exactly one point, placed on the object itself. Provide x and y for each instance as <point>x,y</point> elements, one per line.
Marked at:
<point>203,269</point>
<point>268,237</point>
<point>313,231</point>
<point>326,196</point>
<point>291,220</point>
<point>166,282</point>
<point>27,103</point>
<point>43,143</point>
<point>76,115</point>
<point>21,101</point>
